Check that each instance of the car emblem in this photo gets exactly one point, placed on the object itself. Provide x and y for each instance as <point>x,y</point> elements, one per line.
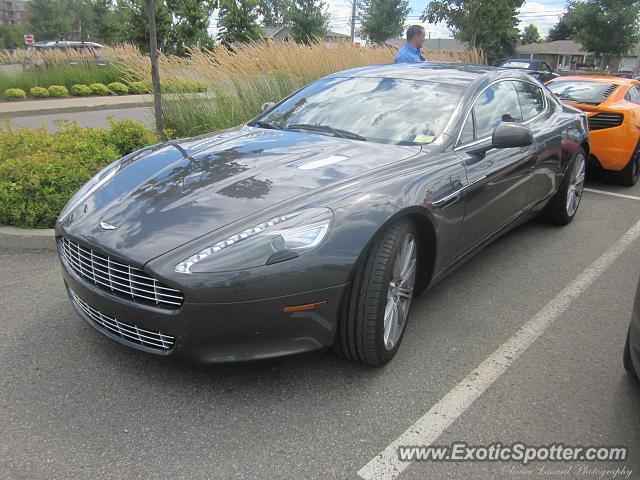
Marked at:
<point>107,226</point>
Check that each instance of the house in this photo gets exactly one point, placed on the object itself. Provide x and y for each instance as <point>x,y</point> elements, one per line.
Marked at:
<point>283,34</point>
<point>433,44</point>
<point>566,55</point>
<point>13,12</point>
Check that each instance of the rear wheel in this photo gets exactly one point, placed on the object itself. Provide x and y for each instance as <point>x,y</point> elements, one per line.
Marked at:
<point>375,313</point>
<point>564,204</point>
<point>628,176</point>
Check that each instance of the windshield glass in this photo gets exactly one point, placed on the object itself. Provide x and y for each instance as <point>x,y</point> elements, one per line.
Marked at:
<point>591,93</point>
<point>386,110</point>
<point>515,64</point>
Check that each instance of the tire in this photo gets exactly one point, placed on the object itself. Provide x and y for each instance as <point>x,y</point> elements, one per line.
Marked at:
<point>558,210</point>
<point>361,334</point>
<point>629,175</point>
<point>626,358</point>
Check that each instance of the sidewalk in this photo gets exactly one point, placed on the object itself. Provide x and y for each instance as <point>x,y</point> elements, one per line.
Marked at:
<point>71,104</point>
<point>14,239</point>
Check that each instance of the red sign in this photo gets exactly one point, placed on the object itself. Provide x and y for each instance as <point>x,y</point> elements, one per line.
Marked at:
<point>28,39</point>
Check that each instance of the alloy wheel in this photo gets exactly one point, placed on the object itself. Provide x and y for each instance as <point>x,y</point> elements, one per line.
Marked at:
<point>576,184</point>
<point>400,292</point>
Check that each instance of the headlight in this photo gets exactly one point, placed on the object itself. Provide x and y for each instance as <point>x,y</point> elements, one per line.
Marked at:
<point>102,177</point>
<point>275,240</point>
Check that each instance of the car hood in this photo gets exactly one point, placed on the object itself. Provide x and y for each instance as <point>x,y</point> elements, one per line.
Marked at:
<point>176,192</point>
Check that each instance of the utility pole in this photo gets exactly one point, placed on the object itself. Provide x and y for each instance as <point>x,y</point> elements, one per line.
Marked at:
<point>353,21</point>
<point>155,71</point>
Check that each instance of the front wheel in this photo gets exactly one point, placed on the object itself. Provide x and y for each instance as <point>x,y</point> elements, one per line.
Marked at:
<point>564,204</point>
<point>375,314</point>
<point>626,358</point>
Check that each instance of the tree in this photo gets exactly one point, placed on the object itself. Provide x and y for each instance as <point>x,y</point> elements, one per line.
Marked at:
<point>273,12</point>
<point>530,35</point>
<point>560,31</point>
<point>108,21</point>
<point>137,25</point>
<point>238,21</point>
<point>308,20</point>
<point>12,36</point>
<point>490,25</point>
<point>604,27</point>
<point>385,19</point>
<point>190,23</point>
<point>49,19</point>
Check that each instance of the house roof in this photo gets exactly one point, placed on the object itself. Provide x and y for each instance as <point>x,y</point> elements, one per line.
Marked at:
<point>337,34</point>
<point>269,32</point>
<point>433,44</point>
<point>559,47</point>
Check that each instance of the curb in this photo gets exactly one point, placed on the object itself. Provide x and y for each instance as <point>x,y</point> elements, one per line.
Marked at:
<point>21,240</point>
<point>75,108</point>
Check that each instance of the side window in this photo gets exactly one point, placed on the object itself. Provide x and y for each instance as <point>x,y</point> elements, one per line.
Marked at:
<point>545,66</point>
<point>633,95</point>
<point>531,99</point>
<point>467,135</point>
<point>498,103</point>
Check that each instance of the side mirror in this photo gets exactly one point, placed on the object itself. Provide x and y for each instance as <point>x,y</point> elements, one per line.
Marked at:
<point>511,135</point>
<point>267,105</point>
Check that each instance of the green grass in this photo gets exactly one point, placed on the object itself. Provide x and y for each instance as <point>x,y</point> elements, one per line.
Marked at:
<point>225,106</point>
<point>65,74</point>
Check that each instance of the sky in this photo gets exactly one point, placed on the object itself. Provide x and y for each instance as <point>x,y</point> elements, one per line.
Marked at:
<point>542,13</point>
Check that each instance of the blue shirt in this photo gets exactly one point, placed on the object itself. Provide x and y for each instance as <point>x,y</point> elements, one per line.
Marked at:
<point>409,54</point>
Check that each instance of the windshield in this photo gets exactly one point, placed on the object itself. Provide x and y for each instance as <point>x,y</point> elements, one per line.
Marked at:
<point>385,110</point>
<point>590,93</point>
<point>516,64</point>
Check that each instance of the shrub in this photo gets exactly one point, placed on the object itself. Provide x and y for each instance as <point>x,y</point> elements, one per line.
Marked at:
<point>118,88</point>
<point>15,94</point>
<point>81,90</point>
<point>99,89</point>
<point>182,85</point>
<point>139,88</point>
<point>39,171</point>
<point>128,135</point>
<point>39,92</point>
<point>58,91</point>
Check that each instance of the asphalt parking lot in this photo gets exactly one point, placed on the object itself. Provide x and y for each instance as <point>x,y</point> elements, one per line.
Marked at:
<point>76,405</point>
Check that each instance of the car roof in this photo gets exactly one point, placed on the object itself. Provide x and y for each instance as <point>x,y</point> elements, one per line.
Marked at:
<point>441,72</point>
<point>598,79</point>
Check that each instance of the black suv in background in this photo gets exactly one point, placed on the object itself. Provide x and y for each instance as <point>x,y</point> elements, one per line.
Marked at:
<point>538,69</point>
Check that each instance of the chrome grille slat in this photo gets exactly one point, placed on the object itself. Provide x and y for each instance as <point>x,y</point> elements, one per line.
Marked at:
<point>116,277</point>
<point>131,333</point>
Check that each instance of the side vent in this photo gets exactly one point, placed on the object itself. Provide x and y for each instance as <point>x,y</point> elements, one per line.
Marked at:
<point>600,121</point>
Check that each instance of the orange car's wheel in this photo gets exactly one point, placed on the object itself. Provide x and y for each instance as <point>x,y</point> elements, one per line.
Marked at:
<point>629,175</point>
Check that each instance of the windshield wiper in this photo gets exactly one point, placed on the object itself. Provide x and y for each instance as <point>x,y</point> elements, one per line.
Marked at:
<point>338,132</point>
<point>262,124</point>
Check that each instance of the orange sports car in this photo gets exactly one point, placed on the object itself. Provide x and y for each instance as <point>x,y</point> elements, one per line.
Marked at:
<point>612,106</point>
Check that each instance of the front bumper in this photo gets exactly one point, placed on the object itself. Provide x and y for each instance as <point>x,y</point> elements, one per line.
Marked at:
<point>210,332</point>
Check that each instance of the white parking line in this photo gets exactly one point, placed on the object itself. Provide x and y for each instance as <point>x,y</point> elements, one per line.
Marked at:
<point>613,194</point>
<point>387,466</point>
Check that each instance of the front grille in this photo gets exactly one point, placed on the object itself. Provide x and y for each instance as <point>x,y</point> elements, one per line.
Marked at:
<point>600,121</point>
<point>118,278</point>
<point>130,333</point>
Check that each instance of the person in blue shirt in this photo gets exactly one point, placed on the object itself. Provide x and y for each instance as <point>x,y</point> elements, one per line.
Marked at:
<point>410,53</point>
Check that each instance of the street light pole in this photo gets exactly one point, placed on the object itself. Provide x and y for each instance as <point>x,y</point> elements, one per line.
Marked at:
<point>155,71</point>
